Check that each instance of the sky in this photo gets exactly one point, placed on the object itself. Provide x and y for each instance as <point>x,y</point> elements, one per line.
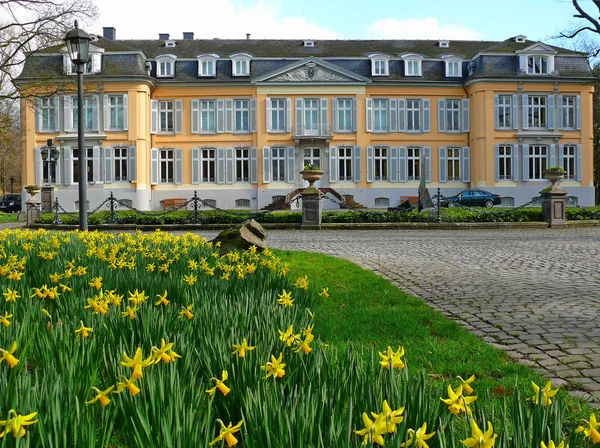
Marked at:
<point>338,19</point>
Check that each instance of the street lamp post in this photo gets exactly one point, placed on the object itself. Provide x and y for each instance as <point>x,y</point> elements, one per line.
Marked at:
<point>78,43</point>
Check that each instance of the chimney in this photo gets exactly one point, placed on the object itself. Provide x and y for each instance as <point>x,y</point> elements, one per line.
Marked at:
<point>188,36</point>
<point>108,32</point>
<point>163,36</point>
<point>247,36</point>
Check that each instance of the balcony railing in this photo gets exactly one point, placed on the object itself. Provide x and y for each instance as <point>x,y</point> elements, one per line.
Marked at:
<point>312,131</point>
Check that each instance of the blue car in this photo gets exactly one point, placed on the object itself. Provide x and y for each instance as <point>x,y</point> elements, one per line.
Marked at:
<point>472,198</point>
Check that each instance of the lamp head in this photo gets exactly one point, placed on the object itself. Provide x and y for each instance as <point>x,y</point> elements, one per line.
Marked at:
<point>78,45</point>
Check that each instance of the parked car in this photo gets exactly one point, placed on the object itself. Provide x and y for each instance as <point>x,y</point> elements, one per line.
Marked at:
<point>472,198</point>
<point>10,202</point>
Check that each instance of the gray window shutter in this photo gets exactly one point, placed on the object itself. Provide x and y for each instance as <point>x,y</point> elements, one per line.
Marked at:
<point>442,165</point>
<point>393,165</point>
<point>228,116</point>
<point>57,122</point>
<point>195,116</point>
<point>178,166</point>
<point>324,114</point>
<point>95,112</point>
<point>525,162</point>
<point>254,165</point>
<point>39,169</point>
<point>577,112</point>
<point>229,167</point>
<point>126,112</point>
<point>369,115</point>
<point>552,156</point>
<point>354,114</point>
<point>334,114</point>
<point>220,116</point>
<point>496,162</point>
<point>515,162</point>
<point>195,166</point>
<point>525,103</point>
<point>59,164</point>
<point>37,111</point>
<point>561,155</point>
<point>551,111</point>
<point>299,116</point>
<point>220,165</point>
<point>466,164</point>
<point>132,164</point>
<point>393,115</point>
<point>68,113</point>
<point>578,174</point>
<point>266,164</point>
<point>357,167</point>
<point>496,113</point>
<point>401,115</point>
<point>402,166</point>
<point>96,164</point>
<point>252,115</point>
<point>269,120</point>
<point>108,165</point>
<point>154,166</point>
<point>333,159</point>
<point>154,119</point>
<point>426,116</point>
<point>561,124</point>
<point>427,164</point>
<point>178,116</point>
<point>106,109</point>
<point>370,163</point>
<point>68,165</point>
<point>288,115</point>
<point>466,116</point>
<point>515,110</point>
<point>442,116</point>
<point>291,164</point>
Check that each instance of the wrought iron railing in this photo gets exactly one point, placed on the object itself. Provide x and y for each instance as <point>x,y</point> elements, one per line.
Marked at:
<point>312,131</point>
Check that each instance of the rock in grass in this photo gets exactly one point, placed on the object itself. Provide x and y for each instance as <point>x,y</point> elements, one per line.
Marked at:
<point>242,237</point>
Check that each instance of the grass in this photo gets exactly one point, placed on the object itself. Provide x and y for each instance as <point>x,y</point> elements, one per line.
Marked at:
<point>8,217</point>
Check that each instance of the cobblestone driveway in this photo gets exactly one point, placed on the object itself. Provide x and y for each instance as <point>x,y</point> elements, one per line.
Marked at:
<point>533,293</point>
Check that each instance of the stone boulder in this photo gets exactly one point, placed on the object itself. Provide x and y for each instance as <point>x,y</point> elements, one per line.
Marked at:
<point>242,237</point>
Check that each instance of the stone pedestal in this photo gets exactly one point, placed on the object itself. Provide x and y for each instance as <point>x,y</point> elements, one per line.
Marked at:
<point>33,210</point>
<point>47,198</point>
<point>311,209</point>
<point>554,202</point>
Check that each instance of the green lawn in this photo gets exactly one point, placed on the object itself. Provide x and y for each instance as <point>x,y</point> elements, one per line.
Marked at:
<point>8,217</point>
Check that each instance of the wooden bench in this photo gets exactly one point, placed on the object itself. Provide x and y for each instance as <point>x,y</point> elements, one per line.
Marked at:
<point>173,203</point>
<point>413,200</point>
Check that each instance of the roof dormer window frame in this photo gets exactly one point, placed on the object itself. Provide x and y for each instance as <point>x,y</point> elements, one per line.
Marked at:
<point>207,65</point>
<point>165,66</point>
<point>240,64</point>
<point>536,60</point>
<point>520,39</point>
<point>380,64</point>
<point>453,65</point>
<point>170,43</point>
<point>92,66</point>
<point>442,43</point>
<point>412,64</point>
<point>309,43</point>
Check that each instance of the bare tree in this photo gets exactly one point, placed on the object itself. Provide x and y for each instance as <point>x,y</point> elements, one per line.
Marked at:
<point>10,146</point>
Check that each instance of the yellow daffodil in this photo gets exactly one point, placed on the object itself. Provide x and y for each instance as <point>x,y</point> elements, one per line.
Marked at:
<point>419,437</point>
<point>81,271</point>
<point>137,363</point>
<point>16,424</point>
<point>101,396</point>
<point>96,282</point>
<point>226,434</point>
<point>164,268</point>
<point>466,384</point>
<point>7,355</point>
<point>54,278</point>
<point>302,283</point>
<point>65,288</point>
<point>15,275</point>
<point>4,319</point>
<point>137,298</point>
<point>288,337</point>
<point>324,293</point>
<point>374,429</point>
<point>390,418</point>
<point>242,348</point>
<point>285,299</point>
<point>162,299</point>
<point>478,438</point>
<point>130,312</point>
<point>162,353</point>
<point>303,345</point>
<point>151,267</point>
<point>552,445</point>
<point>129,384</point>
<point>392,359</point>
<point>546,393</point>
<point>275,367</point>
<point>10,295</point>
<point>186,311</point>
<point>456,402</point>
<point>190,279</point>
<point>192,265</point>
<point>591,430</point>
<point>220,384</point>
<point>83,330</point>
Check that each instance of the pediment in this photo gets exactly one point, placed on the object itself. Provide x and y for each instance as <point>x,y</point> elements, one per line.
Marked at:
<point>312,70</point>
<point>538,48</point>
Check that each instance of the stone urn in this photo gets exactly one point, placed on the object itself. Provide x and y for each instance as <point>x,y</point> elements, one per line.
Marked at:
<point>554,175</point>
<point>32,189</point>
<point>311,176</point>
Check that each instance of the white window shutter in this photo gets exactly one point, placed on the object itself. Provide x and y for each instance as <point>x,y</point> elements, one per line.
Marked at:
<point>252,115</point>
<point>369,114</point>
<point>195,166</point>
<point>253,165</point>
<point>442,115</point>
<point>551,112</point>
<point>496,162</point>
<point>68,165</point>
<point>95,112</point>
<point>442,168</point>
<point>334,114</point>
<point>126,111</point>
<point>220,165</point>
<point>178,116</point>
<point>57,122</point>
<point>291,164</point>
<point>401,115</point>
<point>578,174</point>
<point>393,165</point>
<point>402,164</point>
<point>333,160</point>
<point>551,156</point>
<point>178,166</point>
<point>288,114</point>
<point>132,164</point>
<point>220,116</point>
<point>299,116</point>
<point>108,164</point>
<point>68,101</point>
<point>515,110</point>
<point>96,164</point>
<point>466,116</point>
<point>357,166</point>
<point>561,109</point>
<point>525,109</point>
<point>39,168</point>
<point>324,115</point>
<point>266,152</point>
<point>269,120</point>
<point>427,164</point>
<point>154,121</point>
<point>426,115</point>
<point>96,62</point>
<point>515,162</point>
<point>578,112</point>
<point>195,116</point>
<point>496,112</point>
<point>354,114</point>
<point>393,115</point>
<point>370,163</point>
<point>154,166</point>
<point>525,162</point>
<point>228,116</point>
<point>466,164</point>
<point>106,109</point>
<point>229,166</point>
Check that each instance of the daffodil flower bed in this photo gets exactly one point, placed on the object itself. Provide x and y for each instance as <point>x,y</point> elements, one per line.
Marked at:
<point>155,340</point>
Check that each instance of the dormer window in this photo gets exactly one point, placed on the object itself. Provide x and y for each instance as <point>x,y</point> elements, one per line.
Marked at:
<point>520,39</point>
<point>453,66</point>
<point>240,64</point>
<point>412,65</point>
<point>309,43</point>
<point>94,65</point>
<point>207,64</point>
<point>536,59</point>
<point>170,43</point>
<point>444,43</point>
<point>165,66</point>
<point>379,65</point>
<point>537,65</point>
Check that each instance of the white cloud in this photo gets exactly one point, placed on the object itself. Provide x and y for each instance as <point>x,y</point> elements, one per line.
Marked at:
<point>207,19</point>
<point>428,28</point>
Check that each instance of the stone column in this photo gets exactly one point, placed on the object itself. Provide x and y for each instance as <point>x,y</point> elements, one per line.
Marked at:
<point>311,209</point>
<point>47,198</point>
<point>554,201</point>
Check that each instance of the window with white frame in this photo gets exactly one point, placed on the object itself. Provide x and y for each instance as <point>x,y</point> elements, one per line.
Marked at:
<point>413,115</point>
<point>379,67</point>
<point>537,111</point>
<point>165,66</point>
<point>244,203</point>
<point>452,115</point>
<point>538,157</point>
<point>90,113</point>
<point>207,116</point>
<point>413,163</point>
<point>47,114</point>
<point>344,163</point>
<point>569,157</point>
<point>453,164</point>
<point>278,111</point>
<point>505,162</point>
<point>116,110</point>
<point>207,65</point>
<point>242,164</point>
<point>412,67</point>
<point>209,162</point>
<point>166,166</point>
<point>382,202</point>
<point>166,116</point>
<point>241,110</point>
<point>568,112</point>
<point>345,113</point>
<point>381,163</point>
<point>453,68</point>
<point>121,164</point>
<point>537,65</point>
<point>89,161</point>
<point>380,113</point>
<point>240,65</point>
<point>278,164</point>
<point>505,112</point>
